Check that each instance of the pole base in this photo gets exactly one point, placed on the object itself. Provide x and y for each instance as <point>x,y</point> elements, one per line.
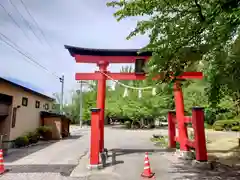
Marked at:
<point>204,165</point>
<point>95,166</point>
<point>185,155</point>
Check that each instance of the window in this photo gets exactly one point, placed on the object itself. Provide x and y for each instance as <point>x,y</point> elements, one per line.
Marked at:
<point>53,106</point>
<point>46,106</point>
<point>14,117</point>
<point>24,101</point>
<point>37,104</point>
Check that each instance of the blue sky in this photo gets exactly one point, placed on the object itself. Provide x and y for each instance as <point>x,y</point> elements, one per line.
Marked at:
<point>73,22</point>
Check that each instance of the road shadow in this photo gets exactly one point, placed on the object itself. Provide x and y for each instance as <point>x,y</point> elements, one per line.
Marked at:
<point>109,164</point>
<point>123,127</point>
<point>119,151</point>
<point>73,137</point>
<point>109,160</point>
<point>63,169</point>
<point>185,170</point>
<point>234,149</point>
<point>230,157</point>
<point>18,153</point>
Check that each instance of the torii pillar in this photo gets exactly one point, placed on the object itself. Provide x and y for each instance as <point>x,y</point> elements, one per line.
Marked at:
<point>101,95</point>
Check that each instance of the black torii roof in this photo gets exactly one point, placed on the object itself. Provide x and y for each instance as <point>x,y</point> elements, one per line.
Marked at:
<point>105,52</point>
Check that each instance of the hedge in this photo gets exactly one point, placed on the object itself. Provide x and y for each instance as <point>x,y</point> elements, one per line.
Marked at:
<point>231,124</point>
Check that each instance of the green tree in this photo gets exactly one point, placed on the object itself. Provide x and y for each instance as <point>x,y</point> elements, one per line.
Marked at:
<point>223,77</point>
<point>182,32</point>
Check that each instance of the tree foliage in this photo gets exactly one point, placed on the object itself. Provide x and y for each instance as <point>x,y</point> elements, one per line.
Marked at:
<point>149,107</point>
<point>184,35</point>
<point>181,32</point>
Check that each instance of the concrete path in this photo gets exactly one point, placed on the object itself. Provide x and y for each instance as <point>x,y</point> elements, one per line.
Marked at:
<point>50,160</point>
<point>67,159</point>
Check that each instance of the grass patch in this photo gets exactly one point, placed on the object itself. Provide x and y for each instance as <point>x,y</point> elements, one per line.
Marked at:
<point>162,141</point>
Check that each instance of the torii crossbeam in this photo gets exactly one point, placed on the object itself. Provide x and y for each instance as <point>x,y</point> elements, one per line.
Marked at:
<point>103,57</point>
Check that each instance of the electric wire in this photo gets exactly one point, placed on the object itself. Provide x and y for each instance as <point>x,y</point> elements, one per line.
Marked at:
<point>15,22</point>
<point>24,20</point>
<point>27,56</point>
<point>34,20</point>
<point>39,28</point>
<point>17,49</point>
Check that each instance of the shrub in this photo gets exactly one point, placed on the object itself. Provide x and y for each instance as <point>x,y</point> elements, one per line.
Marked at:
<point>235,128</point>
<point>226,124</point>
<point>127,124</point>
<point>207,126</point>
<point>44,129</point>
<point>218,128</point>
<point>160,141</point>
<point>45,132</point>
<point>177,145</point>
<point>21,141</point>
<point>150,126</point>
<point>33,137</point>
<point>135,124</point>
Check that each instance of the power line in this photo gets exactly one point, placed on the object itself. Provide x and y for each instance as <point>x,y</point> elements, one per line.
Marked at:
<point>27,56</point>
<point>15,22</point>
<point>33,19</point>
<point>18,49</point>
<point>39,28</point>
<point>24,20</point>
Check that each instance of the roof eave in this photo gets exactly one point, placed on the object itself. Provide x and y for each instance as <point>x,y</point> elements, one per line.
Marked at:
<point>105,52</point>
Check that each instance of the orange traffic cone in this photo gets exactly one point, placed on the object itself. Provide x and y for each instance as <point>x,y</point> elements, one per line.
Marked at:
<point>147,170</point>
<point>2,169</point>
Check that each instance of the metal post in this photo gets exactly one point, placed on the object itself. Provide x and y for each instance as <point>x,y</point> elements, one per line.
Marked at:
<point>1,141</point>
<point>62,92</point>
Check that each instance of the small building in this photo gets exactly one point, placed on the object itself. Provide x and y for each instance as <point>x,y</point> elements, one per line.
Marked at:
<point>20,109</point>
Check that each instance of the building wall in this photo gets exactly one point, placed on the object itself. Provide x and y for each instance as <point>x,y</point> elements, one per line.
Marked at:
<point>27,117</point>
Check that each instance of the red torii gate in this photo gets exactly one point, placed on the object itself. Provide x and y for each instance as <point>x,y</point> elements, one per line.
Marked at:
<point>102,57</point>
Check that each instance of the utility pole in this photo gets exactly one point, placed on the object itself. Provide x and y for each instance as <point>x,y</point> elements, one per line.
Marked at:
<point>80,93</point>
<point>62,93</point>
<point>81,104</point>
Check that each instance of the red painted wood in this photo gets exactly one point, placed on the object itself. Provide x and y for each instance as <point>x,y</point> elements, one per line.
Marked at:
<point>190,143</point>
<point>95,136</point>
<point>188,119</point>
<point>199,134</point>
<point>186,75</point>
<point>101,86</point>
<point>87,76</point>
<point>179,105</point>
<point>171,130</point>
<point>131,76</point>
<point>109,59</point>
<point>177,139</point>
<point>191,75</point>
